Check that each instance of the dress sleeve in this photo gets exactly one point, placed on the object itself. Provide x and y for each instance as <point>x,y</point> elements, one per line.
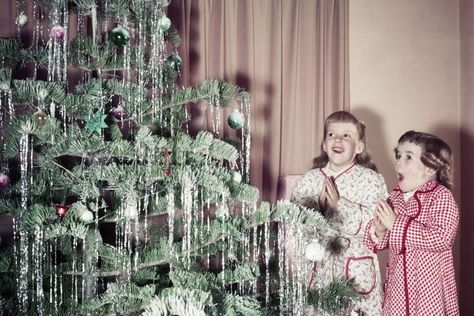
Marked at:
<point>371,240</point>
<point>436,235</point>
<point>306,191</point>
<point>351,217</point>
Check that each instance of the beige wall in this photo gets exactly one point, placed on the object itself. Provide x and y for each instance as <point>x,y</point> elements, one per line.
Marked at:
<point>404,71</point>
<point>405,74</point>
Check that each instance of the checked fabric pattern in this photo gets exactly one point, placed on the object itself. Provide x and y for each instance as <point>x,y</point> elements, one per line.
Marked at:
<point>420,276</point>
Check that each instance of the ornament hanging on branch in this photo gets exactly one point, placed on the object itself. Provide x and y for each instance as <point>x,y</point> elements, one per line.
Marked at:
<point>175,62</point>
<point>120,112</point>
<point>95,123</point>
<point>4,180</point>
<point>222,213</point>
<point>61,209</point>
<point>40,117</point>
<point>236,119</point>
<point>57,32</point>
<point>120,36</point>
<point>236,177</point>
<point>314,251</point>
<point>22,20</point>
<point>164,23</point>
<point>86,216</point>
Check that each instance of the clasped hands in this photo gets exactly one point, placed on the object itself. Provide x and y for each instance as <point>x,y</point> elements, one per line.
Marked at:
<point>329,196</point>
<point>384,217</point>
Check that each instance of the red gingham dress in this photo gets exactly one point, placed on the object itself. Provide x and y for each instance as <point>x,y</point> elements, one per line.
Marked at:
<point>420,277</point>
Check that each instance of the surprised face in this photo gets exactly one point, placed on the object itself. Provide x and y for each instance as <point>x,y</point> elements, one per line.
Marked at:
<point>342,143</point>
<point>411,172</point>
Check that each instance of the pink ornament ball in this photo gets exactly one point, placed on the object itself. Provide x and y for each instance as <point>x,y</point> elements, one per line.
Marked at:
<point>57,31</point>
<point>4,180</point>
<point>120,112</point>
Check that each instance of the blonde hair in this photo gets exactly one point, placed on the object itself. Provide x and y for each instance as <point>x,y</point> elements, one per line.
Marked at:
<point>436,154</point>
<point>363,158</point>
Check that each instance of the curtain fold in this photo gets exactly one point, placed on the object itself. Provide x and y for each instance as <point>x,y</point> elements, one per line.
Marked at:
<point>292,57</point>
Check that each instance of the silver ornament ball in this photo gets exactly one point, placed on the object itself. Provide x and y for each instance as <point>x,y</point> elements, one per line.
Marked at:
<point>165,23</point>
<point>236,119</point>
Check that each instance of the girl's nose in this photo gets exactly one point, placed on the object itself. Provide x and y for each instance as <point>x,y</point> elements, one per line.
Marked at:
<point>397,164</point>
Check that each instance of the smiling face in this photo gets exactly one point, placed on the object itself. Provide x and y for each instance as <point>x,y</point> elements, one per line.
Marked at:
<point>342,143</point>
<point>411,172</point>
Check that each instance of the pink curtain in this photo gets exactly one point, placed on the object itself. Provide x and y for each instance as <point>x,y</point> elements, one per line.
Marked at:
<point>292,56</point>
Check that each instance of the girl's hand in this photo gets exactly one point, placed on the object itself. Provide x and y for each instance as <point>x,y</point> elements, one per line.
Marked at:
<point>323,199</point>
<point>380,229</point>
<point>332,196</point>
<point>386,214</point>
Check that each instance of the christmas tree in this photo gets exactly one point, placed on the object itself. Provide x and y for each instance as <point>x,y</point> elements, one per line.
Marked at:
<point>116,208</point>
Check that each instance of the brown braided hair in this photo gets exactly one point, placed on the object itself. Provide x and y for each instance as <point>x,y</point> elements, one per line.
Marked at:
<point>436,154</point>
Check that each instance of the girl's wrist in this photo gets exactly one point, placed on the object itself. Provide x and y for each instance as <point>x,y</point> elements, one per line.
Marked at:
<point>379,233</point>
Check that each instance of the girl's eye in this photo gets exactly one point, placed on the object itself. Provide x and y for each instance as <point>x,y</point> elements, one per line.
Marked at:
<point>331,134</point>
<point>398,156</point>
<point>347,136</point>
<point>409,157</point>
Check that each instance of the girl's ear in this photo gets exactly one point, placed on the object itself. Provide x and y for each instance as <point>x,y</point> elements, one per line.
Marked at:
<point>360,147</point>
<point>323,146</point>
<point>430,172</point>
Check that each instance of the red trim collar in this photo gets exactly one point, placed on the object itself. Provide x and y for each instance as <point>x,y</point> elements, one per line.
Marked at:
<point>425,188</point>
<point>341,173</point>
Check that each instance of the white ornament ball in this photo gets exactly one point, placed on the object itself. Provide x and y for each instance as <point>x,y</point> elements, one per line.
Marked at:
<point>22,20</point>
<point>314,251</point>
<point>236,119</point>
<point>165,23</point>
<point>236,177</point>
<point>86,216</point>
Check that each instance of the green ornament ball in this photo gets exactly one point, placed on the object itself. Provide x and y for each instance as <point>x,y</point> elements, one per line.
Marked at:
<point>236,119</point>
<point>174,61</point>
<point>164,23</point>
<point>120,36</point>
<point>222,213</point>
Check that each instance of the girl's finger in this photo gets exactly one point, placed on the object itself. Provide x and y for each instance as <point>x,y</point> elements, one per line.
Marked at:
<point>331,193</point>
<point>387,208</point>
<point>331,184</point>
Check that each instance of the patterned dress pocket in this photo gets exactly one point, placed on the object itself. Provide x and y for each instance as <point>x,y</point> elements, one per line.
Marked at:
<point>362,271</point>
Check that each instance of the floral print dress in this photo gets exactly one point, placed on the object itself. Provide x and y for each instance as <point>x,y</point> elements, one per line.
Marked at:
<point>359,190</point>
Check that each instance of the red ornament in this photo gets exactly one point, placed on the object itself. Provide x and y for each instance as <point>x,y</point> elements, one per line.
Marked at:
<point>61,209</point>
